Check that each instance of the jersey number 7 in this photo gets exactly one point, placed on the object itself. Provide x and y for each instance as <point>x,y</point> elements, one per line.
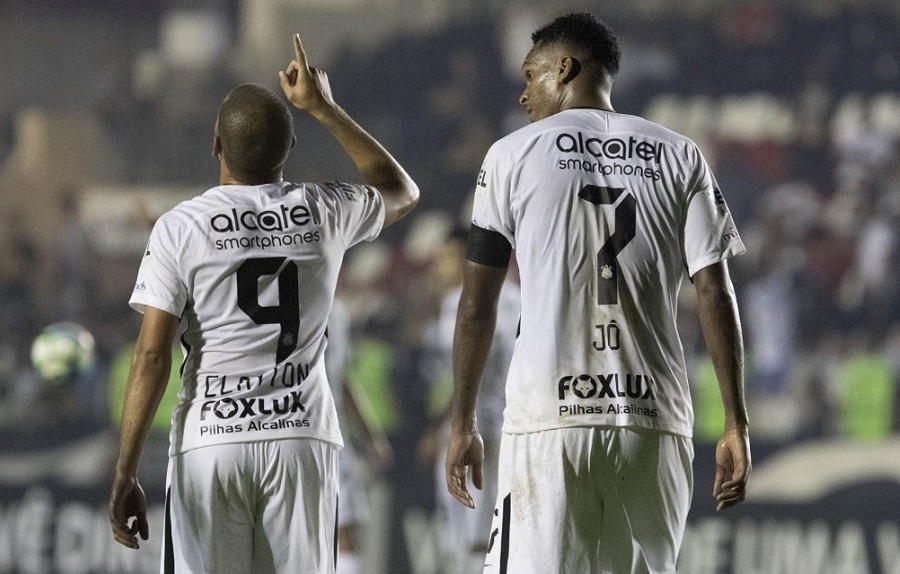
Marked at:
<point>625,224</point>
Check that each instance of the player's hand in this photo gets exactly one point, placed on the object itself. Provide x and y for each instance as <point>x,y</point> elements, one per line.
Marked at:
<point>127,501</point>
<point>307,88</point>
<point>466,449</point>
<point>733,468</point>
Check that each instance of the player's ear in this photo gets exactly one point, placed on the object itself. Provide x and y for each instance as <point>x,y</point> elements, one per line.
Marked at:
<point>569,68</point>
<point>217,146</point>
<point>293,141</point>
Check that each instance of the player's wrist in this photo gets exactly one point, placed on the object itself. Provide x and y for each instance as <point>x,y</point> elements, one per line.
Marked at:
<point>125,471</point>
<point>324,111</point>
<point>737,423</point>
<point>464,424</point>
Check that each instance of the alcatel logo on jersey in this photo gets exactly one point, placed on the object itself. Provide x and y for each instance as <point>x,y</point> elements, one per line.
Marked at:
<point>613,148</point>
<point>280,219</point>
<point>609,386</point>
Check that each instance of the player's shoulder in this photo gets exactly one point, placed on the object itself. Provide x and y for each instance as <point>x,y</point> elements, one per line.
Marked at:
<point>649,129</point>
<point>185,215</point>
<point>182,212</point>
<point>526,134</point>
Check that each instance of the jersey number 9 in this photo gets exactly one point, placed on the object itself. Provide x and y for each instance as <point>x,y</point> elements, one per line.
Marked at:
<point>286,314</point>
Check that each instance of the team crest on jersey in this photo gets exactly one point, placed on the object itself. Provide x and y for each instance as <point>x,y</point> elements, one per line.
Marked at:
<point>606,272</point>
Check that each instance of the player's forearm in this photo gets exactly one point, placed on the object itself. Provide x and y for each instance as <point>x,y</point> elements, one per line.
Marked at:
<point>471,346</point>
<point>721,326</point>
<point>146,385</point>
<point>376,165</point>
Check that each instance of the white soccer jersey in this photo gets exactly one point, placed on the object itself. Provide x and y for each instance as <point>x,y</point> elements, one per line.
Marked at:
<point>606,213</point>
<point>251,271</point>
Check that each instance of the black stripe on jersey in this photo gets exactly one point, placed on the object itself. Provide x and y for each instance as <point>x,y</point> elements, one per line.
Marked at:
<point>336,527</point>
<point>187,353</point>
<point>168,547</point>
<point>488,247</point>
<point>504,534</point>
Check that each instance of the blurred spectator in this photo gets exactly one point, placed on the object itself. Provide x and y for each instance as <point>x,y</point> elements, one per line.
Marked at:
<point>74,260</point>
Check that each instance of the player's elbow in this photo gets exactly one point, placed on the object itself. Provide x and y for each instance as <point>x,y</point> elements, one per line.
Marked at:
<point>399,200</point>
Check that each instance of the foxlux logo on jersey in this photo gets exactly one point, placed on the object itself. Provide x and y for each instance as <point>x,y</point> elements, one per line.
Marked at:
<point>612,155</point>
<point>232,412</point>
<point>283,225</point>
<point>227,409</point>
<point>592,389</point>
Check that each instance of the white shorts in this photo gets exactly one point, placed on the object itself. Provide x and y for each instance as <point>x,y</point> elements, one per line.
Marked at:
<point>600,500</point>
<point>261,507</point>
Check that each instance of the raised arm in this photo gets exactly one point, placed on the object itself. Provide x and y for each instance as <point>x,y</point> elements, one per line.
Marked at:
<point>308,89</point>
<point>150,368</point>
<point>722,331</point>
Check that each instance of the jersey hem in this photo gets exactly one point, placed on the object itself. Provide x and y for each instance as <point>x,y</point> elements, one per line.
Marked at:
<point>139,305</point>
<point>713,258</point>
<point>679,430</point>
<point>337,441</point>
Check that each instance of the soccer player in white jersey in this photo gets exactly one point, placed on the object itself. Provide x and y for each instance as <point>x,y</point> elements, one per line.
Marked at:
<point>245,274</point>
<point>608,215</point>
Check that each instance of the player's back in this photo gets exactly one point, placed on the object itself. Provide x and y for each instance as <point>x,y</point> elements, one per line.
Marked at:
<point>257,267</point>
<point>596,205</point>
<point>255,258</point>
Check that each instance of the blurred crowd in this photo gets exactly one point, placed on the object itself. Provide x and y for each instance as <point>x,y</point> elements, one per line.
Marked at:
<point>818,205</point>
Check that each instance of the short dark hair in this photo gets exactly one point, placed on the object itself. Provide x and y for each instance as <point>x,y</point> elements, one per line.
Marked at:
<point>584,31</point>
<point>256,131</point>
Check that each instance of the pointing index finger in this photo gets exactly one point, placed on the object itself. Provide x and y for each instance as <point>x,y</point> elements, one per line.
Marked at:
<point>299,53</point>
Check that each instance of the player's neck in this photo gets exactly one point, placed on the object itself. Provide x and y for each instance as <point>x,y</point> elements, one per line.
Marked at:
<point>595,101</point>
<point>227,178</point>
<point>591,95</point>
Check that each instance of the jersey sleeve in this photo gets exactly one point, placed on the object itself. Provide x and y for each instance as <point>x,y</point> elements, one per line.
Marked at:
<point>492,208</point>
<point>158,283</point>
<point>710,235</point>
<point>360,211</point>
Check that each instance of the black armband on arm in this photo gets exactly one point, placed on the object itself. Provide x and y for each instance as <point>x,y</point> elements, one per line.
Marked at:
<point>488,247</point>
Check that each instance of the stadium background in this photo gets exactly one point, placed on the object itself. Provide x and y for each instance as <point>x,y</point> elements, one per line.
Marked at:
<point>106,115</point>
